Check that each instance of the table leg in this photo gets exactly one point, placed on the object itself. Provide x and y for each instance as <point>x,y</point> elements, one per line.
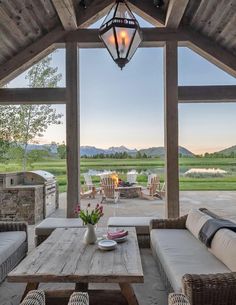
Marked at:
<point>82,287</point>
<point>128,292</point>
<point>29,287</point>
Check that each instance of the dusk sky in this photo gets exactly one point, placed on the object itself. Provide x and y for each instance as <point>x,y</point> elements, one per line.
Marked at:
<point>126,107</point>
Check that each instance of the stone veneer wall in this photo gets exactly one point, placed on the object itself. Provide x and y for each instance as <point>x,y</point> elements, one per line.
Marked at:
<point>22,204</point>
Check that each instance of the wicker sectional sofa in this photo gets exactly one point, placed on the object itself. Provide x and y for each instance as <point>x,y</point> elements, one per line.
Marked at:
<point>13,246</point>
<point>187,266</point>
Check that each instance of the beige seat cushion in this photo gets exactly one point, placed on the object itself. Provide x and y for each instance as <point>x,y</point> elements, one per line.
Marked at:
<point>195,220</point>
<point>180,253</point>
<point>50,224</point>
<point>10,242</point>
<point>140,223</point>
<point>223,246</point>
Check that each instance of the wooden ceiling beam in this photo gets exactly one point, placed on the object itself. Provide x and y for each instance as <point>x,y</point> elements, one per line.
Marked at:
<point>148,12</point>
<point>17,96</point>
<point>66,13</point>
<point>152,37</point>
<point>211,51</point>
<point>96,9</point>
<point>207,94</point>
<point>175,13</point>
<point>30,55</point>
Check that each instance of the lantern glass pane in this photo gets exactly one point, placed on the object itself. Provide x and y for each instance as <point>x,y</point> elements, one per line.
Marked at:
<point>110,15</point>
<point>136,42</point>
<point>123,12</point>
<point>124,38</point>
<point>109,40</point>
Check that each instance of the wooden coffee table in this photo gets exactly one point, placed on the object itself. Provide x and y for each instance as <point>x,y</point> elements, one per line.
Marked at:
<point>64,258</point>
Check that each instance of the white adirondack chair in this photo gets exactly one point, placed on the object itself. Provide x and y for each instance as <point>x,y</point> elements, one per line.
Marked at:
<point>150,179</point>
<point>88,181</point>
<point>132,177</point>
<point>109,190</point>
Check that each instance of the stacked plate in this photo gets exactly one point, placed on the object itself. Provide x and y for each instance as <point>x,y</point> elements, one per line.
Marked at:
<point>120,239</point>
<point>107,244</point>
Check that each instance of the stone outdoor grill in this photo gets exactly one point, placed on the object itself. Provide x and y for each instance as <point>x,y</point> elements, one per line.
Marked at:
<point>29,196</point>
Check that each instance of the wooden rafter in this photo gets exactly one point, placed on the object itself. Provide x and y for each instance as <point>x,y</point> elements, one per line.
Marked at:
<point>17,96</point>
<point>29,56</point>
<point>211,51</point>
<point>147,11</point>
<point>152,37</point>
<point>175,13</point>
<point>67,14</point>
<point>207,94</point>
<point>96,10</point>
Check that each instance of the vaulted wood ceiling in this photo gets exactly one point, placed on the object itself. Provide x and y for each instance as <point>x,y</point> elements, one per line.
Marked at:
<point>29,28</point>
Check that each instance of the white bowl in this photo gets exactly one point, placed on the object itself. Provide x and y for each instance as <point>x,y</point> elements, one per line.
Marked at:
<point>107,244</point>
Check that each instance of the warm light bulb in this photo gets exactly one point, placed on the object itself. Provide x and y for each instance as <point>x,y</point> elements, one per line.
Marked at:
<point>123,34</point>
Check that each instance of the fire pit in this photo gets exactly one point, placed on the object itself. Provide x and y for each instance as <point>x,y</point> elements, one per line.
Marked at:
<point>126,189</point>
<point>129,191</point>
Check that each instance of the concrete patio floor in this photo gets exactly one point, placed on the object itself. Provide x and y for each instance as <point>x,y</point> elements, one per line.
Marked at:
<point>222,202</point>
<point>152,292</point>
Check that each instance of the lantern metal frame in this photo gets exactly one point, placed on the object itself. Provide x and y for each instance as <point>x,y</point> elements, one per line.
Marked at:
<point>125,23</point>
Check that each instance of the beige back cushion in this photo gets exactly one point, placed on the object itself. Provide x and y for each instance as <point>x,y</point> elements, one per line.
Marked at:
<point>195,220</point>
<point>223,246</point>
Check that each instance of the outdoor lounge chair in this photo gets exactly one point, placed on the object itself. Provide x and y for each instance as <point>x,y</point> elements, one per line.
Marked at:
<point>109,190</point>
<point>131,177</point>
<point>37,297</point>
<point>88,181</point>
<point>88,194</point>
<point>153,187</point>
<point>90,185</point>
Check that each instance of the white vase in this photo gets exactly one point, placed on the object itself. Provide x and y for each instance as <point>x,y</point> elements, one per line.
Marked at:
<point>90,235</point>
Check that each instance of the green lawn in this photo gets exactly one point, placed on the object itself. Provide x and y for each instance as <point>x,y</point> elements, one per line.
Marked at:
<point>58,168</point>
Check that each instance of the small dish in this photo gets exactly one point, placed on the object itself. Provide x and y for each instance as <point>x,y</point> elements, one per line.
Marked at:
<point>120,239</point>
<point>107,244</point>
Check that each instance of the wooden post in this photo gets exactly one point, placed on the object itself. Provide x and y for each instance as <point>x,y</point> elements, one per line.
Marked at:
<point>171,128</point>
<point>72,128</point>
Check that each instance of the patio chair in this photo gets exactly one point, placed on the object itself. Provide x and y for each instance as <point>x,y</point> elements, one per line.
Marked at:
<point>37,297</point>
<point>131,177</point>
<point>109,190</point>
<point>91,188</point>
<point>150,178</point>
<point>88,181</point>
<point>88,193</point>
<point>162,191</point>
<point>151,192</point>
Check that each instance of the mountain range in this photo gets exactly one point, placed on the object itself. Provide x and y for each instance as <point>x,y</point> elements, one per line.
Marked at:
<point>228,151</point>
<point>150,152</point>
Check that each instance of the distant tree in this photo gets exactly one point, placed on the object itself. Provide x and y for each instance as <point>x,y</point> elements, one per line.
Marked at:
<point>26,122</point>
<point>36,155</point>
<point>138,155</point>
<point>61,150</point>
<point>7,129</point>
